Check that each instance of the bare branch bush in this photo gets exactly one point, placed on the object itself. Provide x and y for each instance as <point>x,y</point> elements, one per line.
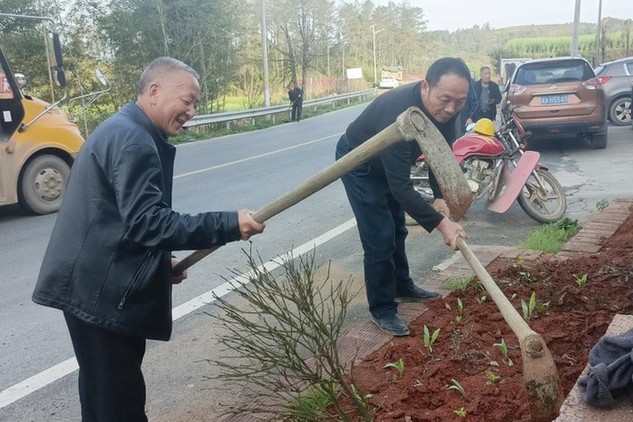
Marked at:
<point>280,342</point>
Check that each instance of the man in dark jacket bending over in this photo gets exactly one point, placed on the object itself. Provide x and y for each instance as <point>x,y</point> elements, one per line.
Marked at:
<point>108,262</point>
<point>381,191</point>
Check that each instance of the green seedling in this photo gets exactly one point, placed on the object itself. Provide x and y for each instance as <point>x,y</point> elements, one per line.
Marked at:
<point>461,412</point>
<point>491,377</point>
<point>460,311</point>
<point>602,204</point>
<point>520,262</point>
<point>430,339</point>
<point>481,299</point>
<point>455,385</point>
<point>526,276</point>
<point>398,365</point>
<point>542,308</point>
<point>580,280</point>
<point>528,307</point>
<point>503,348</point>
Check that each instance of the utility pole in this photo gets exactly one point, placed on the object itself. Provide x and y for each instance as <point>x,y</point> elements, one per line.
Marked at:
<point>596,56</point>
<point>374,32</point>
<point>574,36</point>
<point>265,54</point>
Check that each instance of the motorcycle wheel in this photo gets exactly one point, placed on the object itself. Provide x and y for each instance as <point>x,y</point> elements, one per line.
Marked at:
<point>543,205</point>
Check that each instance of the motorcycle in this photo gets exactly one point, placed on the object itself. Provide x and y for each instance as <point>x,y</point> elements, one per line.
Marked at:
<point>500,170</point>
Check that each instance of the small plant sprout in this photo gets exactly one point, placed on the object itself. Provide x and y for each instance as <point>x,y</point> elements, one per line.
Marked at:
<point>455,385</point>
<point>481,299</point>
<point>602,204</point>
<point>542,308</point>
<point>398,365</point>
<point>580,280</point>
<point>526,276</point>
<point>491,377</point>
<point>460,311</point>
<point>461,412</point>
<point>430,339</point>
<point>520,262</point>
<point>503,348</point>
<point>528,307</point>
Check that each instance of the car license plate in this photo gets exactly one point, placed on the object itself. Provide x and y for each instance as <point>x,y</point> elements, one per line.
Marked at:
<point>554,99</point>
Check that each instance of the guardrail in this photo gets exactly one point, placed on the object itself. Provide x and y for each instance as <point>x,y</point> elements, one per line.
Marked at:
<point>231,116</point>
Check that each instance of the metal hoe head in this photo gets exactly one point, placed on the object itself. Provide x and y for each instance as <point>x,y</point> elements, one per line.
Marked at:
<point>441,161</point>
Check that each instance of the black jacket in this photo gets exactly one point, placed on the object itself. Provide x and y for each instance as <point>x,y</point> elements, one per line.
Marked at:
<point>493,94</point>
<point>394,163</point>
<point>108,258</point>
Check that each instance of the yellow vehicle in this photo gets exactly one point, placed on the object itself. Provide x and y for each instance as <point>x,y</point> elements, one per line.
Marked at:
<point>38,143</point>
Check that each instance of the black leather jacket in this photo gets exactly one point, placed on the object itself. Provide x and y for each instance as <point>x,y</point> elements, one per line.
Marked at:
<point>108,259</point>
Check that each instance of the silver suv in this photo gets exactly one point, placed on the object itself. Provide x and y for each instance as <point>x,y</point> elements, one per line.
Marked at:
<point>617,80</point>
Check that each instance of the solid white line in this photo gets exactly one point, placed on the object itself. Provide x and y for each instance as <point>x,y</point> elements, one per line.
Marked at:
<point>37,381</point>
<point>223,289</point>
<point>255,157</point>
<point>54,373</point>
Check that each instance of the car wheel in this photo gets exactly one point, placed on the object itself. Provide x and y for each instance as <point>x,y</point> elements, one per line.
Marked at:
<point>620,111</point>
<point>598,140</point>
<point>42,184</point>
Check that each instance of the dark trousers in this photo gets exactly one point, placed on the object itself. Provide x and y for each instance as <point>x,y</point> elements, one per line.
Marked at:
<point>381,225</point>
<point>111,384</point>
<point>296,110</point>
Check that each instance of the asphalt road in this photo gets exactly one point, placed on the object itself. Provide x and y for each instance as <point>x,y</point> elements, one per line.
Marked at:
<point>37,380</point>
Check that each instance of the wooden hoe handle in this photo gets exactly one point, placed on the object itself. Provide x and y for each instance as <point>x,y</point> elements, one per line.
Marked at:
<point>403,129</point>
<point>539,371</point>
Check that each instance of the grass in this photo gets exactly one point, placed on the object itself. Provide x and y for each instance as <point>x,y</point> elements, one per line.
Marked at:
<point>458,284</point>
<point>551,237</point>
<point>311,405</point>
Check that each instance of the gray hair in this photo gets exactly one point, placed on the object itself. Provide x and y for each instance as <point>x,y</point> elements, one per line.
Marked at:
<point>159,66</point>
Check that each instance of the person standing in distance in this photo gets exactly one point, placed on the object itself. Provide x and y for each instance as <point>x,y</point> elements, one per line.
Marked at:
<point>108,264</point>
<point>380,191</point>
<point>488,94</point>
<point>295,95</point>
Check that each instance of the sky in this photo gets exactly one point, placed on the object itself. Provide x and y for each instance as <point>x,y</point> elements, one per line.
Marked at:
<point>455,14</point>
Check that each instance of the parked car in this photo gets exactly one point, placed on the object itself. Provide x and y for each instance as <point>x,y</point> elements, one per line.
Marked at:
<point>559,97</point>
<point>617,79</point>
<point>388,82</point>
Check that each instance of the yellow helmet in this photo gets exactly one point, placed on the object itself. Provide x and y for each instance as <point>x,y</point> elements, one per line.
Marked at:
<point>485,127</point>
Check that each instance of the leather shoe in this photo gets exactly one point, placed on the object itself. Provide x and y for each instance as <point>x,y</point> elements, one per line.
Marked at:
<point>415,294</point>
<point>392,324</point>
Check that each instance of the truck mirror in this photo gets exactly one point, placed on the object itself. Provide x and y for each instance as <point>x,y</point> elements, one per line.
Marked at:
<point>57,48</point>
<point>60,77</point>
<point>21,80</point>
<point>102,79</point>
<point>58,66</point>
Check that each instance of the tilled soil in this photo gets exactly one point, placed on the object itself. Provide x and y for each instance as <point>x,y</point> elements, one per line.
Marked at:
<point>570,316</point>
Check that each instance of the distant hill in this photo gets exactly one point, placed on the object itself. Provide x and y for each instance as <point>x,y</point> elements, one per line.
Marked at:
<point>481,45</point>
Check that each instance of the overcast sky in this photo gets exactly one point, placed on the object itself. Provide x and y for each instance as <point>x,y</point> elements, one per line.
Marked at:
<point>455,14</point>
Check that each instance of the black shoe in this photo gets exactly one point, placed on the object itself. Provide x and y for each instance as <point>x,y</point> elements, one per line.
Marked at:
<point>415,294</point>
<point>392,324</point>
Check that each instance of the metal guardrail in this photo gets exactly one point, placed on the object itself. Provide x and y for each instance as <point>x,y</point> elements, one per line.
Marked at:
<point>231,116</point>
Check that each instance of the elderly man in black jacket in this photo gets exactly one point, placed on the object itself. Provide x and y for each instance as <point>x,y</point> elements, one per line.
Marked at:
<point>108,262</point>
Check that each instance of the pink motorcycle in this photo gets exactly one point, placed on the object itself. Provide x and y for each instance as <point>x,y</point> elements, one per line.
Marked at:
<point>499,170</point>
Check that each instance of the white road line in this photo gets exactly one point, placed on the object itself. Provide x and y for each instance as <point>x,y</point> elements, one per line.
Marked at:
<point>54,373</point>
<point>255,157</point>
